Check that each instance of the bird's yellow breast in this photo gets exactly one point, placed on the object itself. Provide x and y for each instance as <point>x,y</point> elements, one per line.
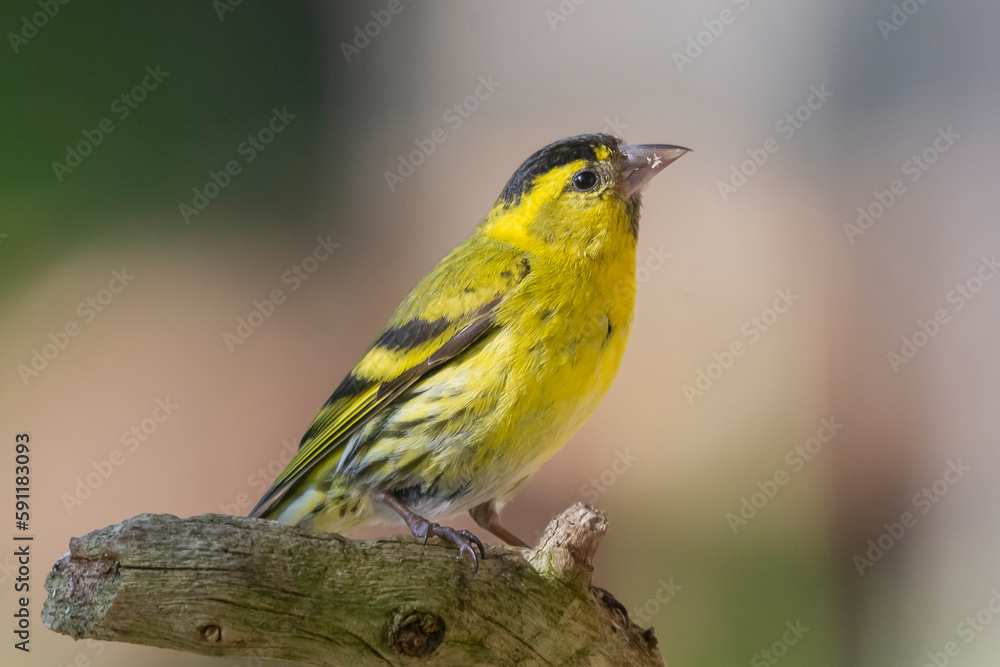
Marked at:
<point>560,342</point>
<point>492,418</point>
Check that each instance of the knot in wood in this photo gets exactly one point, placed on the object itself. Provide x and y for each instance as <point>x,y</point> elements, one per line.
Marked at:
<point>416,633</point>
<point>211,633</point>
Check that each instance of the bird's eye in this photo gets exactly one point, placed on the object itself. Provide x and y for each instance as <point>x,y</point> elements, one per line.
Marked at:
<point>584,180</point>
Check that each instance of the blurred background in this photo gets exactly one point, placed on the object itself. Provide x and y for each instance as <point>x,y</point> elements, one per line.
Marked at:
<point>167,166</point>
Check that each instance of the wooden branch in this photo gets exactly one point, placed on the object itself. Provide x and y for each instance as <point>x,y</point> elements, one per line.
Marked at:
<point>233,586</point>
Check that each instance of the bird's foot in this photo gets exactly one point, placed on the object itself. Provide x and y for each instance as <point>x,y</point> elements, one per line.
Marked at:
<point>421,527</point>
<point>462,539</point>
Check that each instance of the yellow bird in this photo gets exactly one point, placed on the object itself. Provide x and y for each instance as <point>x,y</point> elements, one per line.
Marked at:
<point>493,361</point>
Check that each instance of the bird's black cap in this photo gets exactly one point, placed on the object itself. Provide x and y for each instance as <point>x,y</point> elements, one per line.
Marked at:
<point>581,147</point>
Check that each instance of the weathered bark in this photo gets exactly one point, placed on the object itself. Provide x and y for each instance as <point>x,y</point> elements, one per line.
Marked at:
<point>225,585</point>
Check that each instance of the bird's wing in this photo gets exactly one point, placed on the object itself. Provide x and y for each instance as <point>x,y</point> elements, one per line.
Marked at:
<point>449,310</point>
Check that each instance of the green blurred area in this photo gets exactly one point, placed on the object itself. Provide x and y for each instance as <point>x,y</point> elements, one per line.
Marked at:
<point>223,78</point>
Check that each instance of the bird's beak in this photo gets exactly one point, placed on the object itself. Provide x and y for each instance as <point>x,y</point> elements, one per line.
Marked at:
<point>642,162</point>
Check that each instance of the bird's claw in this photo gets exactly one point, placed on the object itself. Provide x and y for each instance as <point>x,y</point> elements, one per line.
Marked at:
<point>462,539</point>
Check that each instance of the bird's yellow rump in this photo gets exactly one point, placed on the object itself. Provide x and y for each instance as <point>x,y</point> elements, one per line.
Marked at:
<point>493,361</point>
